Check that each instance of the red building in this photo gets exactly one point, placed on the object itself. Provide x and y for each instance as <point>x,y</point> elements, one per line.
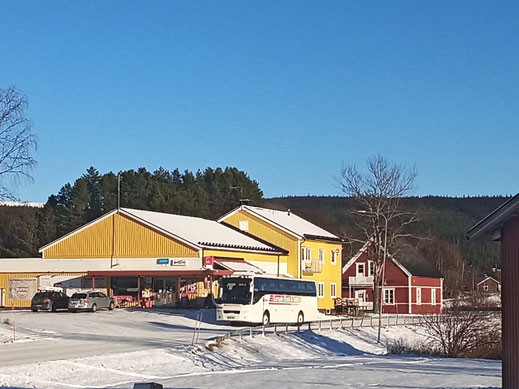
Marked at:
<point>488,285</point>
<point>411,284</point>
<point>503,225</point>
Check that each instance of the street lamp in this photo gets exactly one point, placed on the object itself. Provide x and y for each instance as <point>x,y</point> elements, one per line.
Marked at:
<point>381,295</point>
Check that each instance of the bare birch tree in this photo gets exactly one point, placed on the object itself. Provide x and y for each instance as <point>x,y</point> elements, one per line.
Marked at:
<point>380,216</point>
<point>17,141</point>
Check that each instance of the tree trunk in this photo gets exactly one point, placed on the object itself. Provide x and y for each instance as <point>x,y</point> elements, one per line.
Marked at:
<point>376,294</point>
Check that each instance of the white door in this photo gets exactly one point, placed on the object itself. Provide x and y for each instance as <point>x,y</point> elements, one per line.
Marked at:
<point>361,295</point>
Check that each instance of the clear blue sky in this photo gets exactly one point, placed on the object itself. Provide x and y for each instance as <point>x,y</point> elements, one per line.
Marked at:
<point>284,90</point>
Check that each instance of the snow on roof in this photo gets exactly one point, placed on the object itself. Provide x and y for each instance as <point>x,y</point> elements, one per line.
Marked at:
<point>198,231</point>
<point>238,266</point>
<point>32,204</point>
<point>290,221</point>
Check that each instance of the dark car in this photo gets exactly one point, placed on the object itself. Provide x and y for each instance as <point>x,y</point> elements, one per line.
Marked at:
<point>49,301</point>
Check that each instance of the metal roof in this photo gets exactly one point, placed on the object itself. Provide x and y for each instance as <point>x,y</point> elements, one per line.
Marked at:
<point>288,221</point>
<point>489,228</point>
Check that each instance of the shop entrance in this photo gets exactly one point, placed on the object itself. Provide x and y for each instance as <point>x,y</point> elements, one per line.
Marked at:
<point>164,291</point>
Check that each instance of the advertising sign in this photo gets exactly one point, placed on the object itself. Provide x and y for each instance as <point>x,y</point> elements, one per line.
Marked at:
<point>22,288</point>
<point>284,299</point>
<point>208,261</point>
<point>178,262</point>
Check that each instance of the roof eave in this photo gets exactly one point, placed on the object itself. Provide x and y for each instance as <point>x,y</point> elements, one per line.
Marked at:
<point>489,228</point>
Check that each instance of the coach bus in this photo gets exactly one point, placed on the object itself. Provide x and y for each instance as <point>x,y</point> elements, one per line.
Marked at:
<point>265,300</point>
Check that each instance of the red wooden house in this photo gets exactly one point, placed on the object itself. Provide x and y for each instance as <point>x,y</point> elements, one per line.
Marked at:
<point>411,284</point>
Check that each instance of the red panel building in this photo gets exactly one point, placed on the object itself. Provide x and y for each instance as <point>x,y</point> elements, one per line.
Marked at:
<point>411,284</point>
<point>503,225</point>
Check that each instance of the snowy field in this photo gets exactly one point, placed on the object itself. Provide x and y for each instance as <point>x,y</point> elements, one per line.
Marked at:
<point>116,349</point>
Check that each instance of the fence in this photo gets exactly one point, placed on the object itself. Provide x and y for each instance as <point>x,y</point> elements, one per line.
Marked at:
<point>330,324</point>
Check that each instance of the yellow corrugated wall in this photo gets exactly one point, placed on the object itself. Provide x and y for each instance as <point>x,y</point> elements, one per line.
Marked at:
<point>132,240</point>
<point>271,234</point>
<point>329,272</point>
<point>4,284</point>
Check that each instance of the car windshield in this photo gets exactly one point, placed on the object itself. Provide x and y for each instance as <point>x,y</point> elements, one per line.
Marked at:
<point>43,295</point>
<point>236,290</point>
<point>79,295</point>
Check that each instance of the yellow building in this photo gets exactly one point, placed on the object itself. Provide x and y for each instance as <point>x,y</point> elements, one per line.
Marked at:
<point>134,253</point>
<point>313,253</point>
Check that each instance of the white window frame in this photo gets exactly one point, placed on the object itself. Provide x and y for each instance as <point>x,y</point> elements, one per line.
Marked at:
<point>418,296</point>
<point>321,256</point>
<point>371,268</point>
<point>333,290</point>
<point>244,225</point>
<point>358,274</point>
<point>335,255</point>
<point>320,290</point>
<point>485,288</point>
<point>307,253</point>
<point>433,296</point>
<point>389,296</point>
<point>359,293</point>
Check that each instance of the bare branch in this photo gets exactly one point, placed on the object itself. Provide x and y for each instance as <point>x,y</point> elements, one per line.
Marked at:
<point>17,141</point>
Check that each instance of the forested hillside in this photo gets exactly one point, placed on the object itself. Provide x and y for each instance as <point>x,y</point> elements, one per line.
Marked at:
<point>213,192</point>
<point>440,231</point>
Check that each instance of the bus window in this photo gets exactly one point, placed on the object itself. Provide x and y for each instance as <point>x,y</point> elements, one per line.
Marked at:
<point>273,286</point>
<point>236,290</point>
<point>310,289</point>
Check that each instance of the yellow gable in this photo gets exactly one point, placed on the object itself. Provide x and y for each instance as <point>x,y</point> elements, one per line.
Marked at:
<point>117,236</point>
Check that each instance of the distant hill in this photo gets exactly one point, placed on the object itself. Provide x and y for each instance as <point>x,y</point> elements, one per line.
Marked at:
<point>443,224</point>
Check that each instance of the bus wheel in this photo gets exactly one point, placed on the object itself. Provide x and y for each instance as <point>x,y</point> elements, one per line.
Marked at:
<point>266,318</point>
<point>300,318</point>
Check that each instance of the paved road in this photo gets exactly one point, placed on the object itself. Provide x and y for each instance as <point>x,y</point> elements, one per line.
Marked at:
<point>64,335</point>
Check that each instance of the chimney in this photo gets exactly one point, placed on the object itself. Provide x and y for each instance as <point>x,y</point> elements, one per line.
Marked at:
<point>244,201</point>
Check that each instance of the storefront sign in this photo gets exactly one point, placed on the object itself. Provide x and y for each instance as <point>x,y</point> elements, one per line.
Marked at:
<point>163,261</point>
<point>178,262</point>
<point>22,288</point>
<point>208,261</point>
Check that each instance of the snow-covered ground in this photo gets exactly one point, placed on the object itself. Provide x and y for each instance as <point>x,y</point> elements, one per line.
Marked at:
<point>116,349</point>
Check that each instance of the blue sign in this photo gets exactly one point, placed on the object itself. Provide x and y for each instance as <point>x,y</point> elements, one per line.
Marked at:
<point>163,261</point>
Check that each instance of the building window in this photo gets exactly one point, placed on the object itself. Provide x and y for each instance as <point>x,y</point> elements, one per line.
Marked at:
<point>360,269</point>
<point>321,256</point>
<point>418,296</point>
<point>244,225</point>
<point>371,268</point>
<point>485,288</point>
<point>389,296</point>
<point>335,254</point>
<point>433,296</point>
<point>320,290</point>
<point>307,253</point>
<point>333,288</point>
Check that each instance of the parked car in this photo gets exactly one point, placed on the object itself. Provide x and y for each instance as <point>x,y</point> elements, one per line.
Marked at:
<point>90,301</point>
<point>49,301</point>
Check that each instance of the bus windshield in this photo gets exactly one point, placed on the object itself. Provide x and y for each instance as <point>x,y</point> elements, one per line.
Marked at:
<point>236,290</point>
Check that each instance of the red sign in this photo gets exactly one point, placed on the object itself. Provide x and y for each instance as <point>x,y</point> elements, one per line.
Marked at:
<point>208,261</point>
<point>284,299</point>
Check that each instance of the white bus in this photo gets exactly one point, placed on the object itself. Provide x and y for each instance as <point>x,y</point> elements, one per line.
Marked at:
<point>265,300</point>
